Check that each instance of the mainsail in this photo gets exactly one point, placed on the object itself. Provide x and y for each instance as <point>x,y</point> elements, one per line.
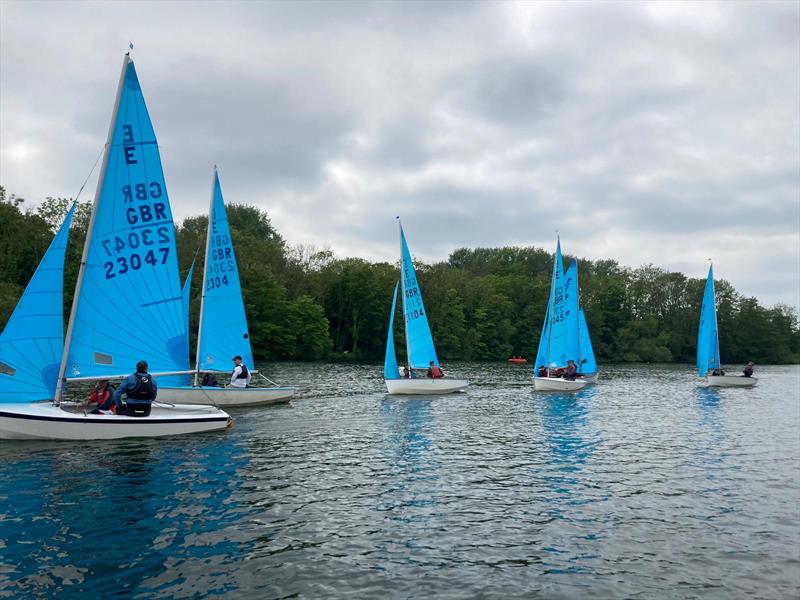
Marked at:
<point>33,339</point>
<point>223,323</point>
<point>128,304</point>
<point>707,334</point>
<point>553,341</point>
<point>419,341</point>
<point>390,370</point>
<point>571,349</point>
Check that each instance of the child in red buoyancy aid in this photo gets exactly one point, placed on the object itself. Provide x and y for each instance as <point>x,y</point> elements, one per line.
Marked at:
<point>103,397</point>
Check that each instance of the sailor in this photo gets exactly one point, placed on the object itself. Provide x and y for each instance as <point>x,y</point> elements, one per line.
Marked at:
<point>571,372</point>
<point>241,376</point>
<point>434,372</point>
<point>748,370</point>
<point>102,395</point>
<point>542,371</point>
<point>140,390</point>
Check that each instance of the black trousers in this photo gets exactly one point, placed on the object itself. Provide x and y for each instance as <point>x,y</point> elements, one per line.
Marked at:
<point>135,410</point>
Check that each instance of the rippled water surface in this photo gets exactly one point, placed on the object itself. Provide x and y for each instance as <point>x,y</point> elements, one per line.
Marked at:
<point>641,486</point>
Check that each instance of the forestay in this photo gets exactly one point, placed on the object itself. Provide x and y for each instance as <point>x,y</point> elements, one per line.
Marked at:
<point>390,370</point>
<point>33,339</point>
<point>223,323</point>
<point>419,341</point>
<point>707,334</point>
<point>129,304</point>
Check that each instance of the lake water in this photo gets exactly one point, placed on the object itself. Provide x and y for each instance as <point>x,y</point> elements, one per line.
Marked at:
<point>641,486</point>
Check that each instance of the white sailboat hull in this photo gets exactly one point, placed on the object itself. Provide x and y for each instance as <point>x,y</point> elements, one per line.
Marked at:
<point>590,377</point>
<point>557,384</point>
<point>728,381</point>
<point>45,421</point>
<point>226,397</point>
<point>425,386</point>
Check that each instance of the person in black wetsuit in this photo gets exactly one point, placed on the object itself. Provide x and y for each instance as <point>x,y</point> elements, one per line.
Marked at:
<point>140,390</point>
<point>748,370</point>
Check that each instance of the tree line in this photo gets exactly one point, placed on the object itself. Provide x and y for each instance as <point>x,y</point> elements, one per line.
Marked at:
<point>482,303</point>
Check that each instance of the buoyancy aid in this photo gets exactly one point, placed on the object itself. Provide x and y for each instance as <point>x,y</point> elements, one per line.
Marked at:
<point>436,372</point>
<point>244,373</point>
<point>144,390</point>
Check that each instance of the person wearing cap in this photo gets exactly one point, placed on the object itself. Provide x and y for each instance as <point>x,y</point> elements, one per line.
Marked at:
<point>241,375</point>
<point>748,370</point>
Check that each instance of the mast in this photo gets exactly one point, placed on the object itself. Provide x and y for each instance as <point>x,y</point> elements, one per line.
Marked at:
<point>403,289</point>
<point>89,231</point>
<point>205,271</point>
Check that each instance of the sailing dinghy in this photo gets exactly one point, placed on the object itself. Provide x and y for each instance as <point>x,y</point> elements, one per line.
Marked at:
<point>559,341</point>
<point>223,329</point>
<point>127,304</point>
<point>708,343</point>
<point>419,342</point>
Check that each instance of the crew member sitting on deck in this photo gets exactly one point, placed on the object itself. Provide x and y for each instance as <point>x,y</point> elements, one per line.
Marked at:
<point>717,372</point>
<point>240,377</point>
<point>102,395</point>
<point>209,380</point>
<point>434,372</point>
<point>542,371</point>
<point>408,373</point>
<point>748,370</point>
<point>140,390</point>
<point>571,372</point>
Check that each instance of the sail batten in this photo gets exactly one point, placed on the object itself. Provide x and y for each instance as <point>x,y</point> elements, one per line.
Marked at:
<point>32,341</point>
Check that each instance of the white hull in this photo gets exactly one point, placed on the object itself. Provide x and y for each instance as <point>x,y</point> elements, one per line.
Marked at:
<point>45,421</point>
<point>226,397</point>
<point>557,384</point>
<point>425,386</point>
<point>590,377</point>
<point>729,381</point>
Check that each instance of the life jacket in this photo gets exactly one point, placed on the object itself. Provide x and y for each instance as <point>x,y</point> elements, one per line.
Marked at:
<point>144,389</point>
<point>436,372</point>
<point>244,373</point>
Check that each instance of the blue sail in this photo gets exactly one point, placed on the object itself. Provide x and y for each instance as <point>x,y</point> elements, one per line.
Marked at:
<point>182,380</point>
<point>571,310</point>
<point>33,339</point>
<point>588,363</point>
<point>390,370</point>
<point>419,341</point>
<point>707,334</point>
<point>129,304</point>
<point>554,342</point>
<point>223,324</point>
<point>186,293</point>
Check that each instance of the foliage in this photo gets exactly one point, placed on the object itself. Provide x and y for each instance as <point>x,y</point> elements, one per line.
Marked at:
<point>482,303</point>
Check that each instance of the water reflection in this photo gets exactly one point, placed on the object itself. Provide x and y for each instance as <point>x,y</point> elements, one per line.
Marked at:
<point>117,517</point>
<point>407,451</point>
<point>570,443</point>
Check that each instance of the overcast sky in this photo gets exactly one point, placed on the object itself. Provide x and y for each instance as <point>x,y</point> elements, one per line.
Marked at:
<point>661,133</point>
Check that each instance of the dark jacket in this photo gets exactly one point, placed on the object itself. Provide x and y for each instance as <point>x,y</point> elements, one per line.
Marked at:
<point>134,383</point>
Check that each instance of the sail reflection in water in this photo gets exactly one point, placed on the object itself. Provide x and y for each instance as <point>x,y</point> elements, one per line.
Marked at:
<point>171,511</point>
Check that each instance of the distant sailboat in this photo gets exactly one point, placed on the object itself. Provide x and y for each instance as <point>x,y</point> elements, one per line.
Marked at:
<point>127,304</point>
<point>223,331</point>
<point>419,342</point>
<point>560,337</point>
<point>708,343</point>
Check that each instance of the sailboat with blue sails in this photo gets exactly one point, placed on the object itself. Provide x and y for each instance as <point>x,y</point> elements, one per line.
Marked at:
<point>708,361</point>
<point>562,333</point>
<point>127,304</point>
<point>223,331</point>
<point>419,341</point>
